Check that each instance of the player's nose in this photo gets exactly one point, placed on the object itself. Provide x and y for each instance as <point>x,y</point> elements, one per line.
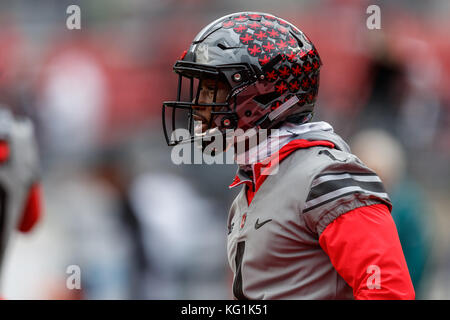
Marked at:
<point>200,104</point>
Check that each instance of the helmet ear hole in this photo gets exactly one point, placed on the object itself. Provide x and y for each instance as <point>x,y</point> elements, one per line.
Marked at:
<point>266,98</point>
<point>222,46</point>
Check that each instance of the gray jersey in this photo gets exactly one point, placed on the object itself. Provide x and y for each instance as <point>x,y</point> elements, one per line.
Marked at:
<point>273,243</point>
<point>18,172</point>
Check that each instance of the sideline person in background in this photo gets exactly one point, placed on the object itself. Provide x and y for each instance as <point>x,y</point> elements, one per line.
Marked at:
<point>20,193</point>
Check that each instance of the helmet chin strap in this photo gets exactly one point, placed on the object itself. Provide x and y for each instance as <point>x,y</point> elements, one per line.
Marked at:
<point>284,107</point>
<point>265,121</point>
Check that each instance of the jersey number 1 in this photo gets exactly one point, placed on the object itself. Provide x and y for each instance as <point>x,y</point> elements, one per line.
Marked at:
<point>237,284</point>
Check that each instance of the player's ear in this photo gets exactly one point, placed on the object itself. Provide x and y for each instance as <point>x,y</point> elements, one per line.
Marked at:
<point>32,210</point>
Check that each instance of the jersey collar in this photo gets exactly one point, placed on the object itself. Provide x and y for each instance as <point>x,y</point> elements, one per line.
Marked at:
<point>260,170</point>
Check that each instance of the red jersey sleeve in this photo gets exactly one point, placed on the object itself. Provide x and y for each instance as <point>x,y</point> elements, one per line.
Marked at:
<point>364,248</point>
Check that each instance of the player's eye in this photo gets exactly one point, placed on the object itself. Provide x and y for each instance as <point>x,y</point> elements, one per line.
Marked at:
<point>208,88</point>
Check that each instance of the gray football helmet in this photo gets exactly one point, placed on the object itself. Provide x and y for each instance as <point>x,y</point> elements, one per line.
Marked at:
<point>270,65</point>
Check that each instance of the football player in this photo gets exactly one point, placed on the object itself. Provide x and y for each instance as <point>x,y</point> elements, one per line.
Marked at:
<point>20,195</point>
<point>320,228</point>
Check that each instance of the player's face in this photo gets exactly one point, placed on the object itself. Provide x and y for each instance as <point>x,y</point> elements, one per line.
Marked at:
<point>203,113</point>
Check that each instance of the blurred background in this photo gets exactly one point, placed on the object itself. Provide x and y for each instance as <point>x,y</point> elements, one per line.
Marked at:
<point>140,227</point>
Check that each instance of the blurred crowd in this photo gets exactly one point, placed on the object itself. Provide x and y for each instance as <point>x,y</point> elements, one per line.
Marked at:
<point>140,227</point>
